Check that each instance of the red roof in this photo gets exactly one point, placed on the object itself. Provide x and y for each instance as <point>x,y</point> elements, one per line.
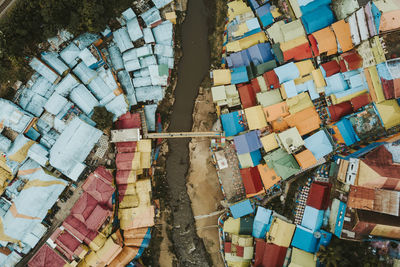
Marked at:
<point>318,196</point>
<point>79,229</point>
<point>252,180</point>
<point>352,61</point>
<point>268,254</point>
<point>239,251</point>
<point>99,189</point>
<point>271,79</point>
<point>124,161</point>
<point>314,45</point>
<point>331,67</point>
<point>298,53</point>
<point>104,174</point>
<point>255,85</point>
<point>122,176</point>
<point>247,96</point>
<point>360,101</point>
<point>396,88</point>
<point>67,244</point>
<point>228,247</point>
<point>97,218</point>
<point>339,110</point>
<point>381,161</point>
<point>84,207</point>
<point>46,257</point>
<point>121,190</point>
<point>126,147</point>
<point>388,88</point>
<point>128,120</point>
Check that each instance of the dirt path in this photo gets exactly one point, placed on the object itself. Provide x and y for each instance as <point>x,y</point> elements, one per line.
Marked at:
<point>203,186</point>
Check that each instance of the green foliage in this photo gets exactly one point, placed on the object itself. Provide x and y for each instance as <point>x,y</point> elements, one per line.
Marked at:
<point>102,117</point>
<point>30,22</point>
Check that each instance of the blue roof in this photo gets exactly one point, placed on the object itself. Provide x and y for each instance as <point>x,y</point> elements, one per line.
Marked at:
<point>325,239</point>
<point>312,218</point>
<point>232,123</point>
<point>377,16</point>
<point>318,19</point>
<point>241,209</point>
<point>287,72</point>
<point>267,19</point>
<point>261,220</point>
<point>260,53</point>
<point>238,59</point>
<point>256,157</point>
<point>314,5</point>
<point>247,142</point>
<point>253,4</point>
<point>346,130</point>
<point>263,10</point>
<point>340,219</point>
<point>319,144</point>
<point>239,75</point>
<point>335,84</point>
<point>304,239</point>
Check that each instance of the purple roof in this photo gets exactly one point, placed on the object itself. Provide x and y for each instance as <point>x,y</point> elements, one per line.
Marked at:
<point>248,142</point>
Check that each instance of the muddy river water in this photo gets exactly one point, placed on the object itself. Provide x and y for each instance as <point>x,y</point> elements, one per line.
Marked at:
<point>192,68</point>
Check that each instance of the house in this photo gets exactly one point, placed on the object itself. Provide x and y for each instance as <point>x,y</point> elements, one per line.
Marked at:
<point>255,118</point>
<point>389,113</point>
<point>301,258</point>
<point>283,163</point>
<point>247,142</point>
<point>312,218</point>
<point>268,176</point>
<point>276,111</point>
<point>261,221</point>
<point>290,140</point>
<point>247,96</point>
<point>233,123</point>
<point>318,196</point>
<point>305,121</point>
<point>376,200</point>
<point>48,73</point>
<point>343,35</point>
<point>239,75</point>
<point>299,103</point>
<point>269,255</point>
<point>280,233</point>
<point>249,159</point>
<point>269,98</point>
<point>345,132</point>
<point>319,144</point>
<point>305,239</point>
<point>305,159</point>
<point>316,16</point>
<point>269,142</point>
<point>323,41</point>
<point>221,77</point>
<point>252,181</point>
<point>241,209</point>
<point>46,256</point>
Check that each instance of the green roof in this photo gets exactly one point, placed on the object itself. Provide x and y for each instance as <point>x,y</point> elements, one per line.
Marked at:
<point>284,164</point>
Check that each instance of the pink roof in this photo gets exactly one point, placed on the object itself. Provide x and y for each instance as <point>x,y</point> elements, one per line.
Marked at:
<point>79,229</point>
<point>84,207</point>
<point>126,147</point>
<point>122,176</point>
<point>104,174</point>
<point>99,189</point>
<point>46,257</point>
<point>67,244</point>
<point>97,218</point>
<point>128,120</point>
<point>124,161</point>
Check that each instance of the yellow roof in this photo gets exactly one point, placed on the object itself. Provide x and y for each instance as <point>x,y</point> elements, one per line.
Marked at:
<point>293,43</point>
<point>171,16</point>
<point>145,160</point>
<point>292,30</point>
<point>269,142</point>
<point>299,102</point>
<point>296,8</point>
<point>246,42</point>
<point>300,258</point>
<point>222,76</point>
<point>255,118</point>
<point>144,145</point>
<point>347,97</point>
<point>280,233</point>
<point>109,251</point>
<point>373,80</point>
<point>232,225</point>
<point>389,112</point>
<point>305,67</point>
<point>236,8</point>
<point>275,32</point>
<point>318,78</point>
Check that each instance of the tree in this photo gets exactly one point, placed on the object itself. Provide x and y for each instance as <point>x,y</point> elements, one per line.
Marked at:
<point>102,117</point>
<point>331,256</point>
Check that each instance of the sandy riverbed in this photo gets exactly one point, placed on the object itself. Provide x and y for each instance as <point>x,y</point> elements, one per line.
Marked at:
<point>202,181</point>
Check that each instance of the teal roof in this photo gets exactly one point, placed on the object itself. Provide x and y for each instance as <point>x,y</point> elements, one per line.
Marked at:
<point>284,164</point>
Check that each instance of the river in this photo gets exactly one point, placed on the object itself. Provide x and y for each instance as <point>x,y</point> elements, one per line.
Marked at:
<point>192,68</point>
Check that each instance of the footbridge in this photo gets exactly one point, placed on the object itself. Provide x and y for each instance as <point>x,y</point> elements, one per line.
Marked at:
<point>184,135</point>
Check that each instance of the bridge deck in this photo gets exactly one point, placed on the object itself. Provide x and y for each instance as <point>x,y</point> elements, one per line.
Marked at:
<point>184,135</point>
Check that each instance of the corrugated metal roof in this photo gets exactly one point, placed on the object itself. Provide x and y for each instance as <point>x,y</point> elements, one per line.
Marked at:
<point>134,30</point>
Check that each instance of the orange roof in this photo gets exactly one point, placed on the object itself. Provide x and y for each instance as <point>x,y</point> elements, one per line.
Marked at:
<point>343,35</point>
<point>305,121</point>
<point>390,21</point>
<point>361,198</point>
<point>326,41</point>
<point>268,176</point>
<point>276,111</point>
<point>305,159</point>
<point>279,125</point>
